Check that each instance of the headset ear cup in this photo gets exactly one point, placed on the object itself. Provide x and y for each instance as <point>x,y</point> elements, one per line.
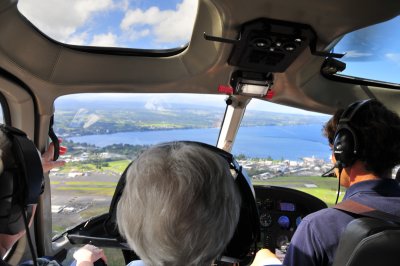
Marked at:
<point>247,230</point>
<point>11,221</point>
<point>344,147</point>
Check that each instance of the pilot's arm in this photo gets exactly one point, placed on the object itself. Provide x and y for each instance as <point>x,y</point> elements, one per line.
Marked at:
<point>306,247</point>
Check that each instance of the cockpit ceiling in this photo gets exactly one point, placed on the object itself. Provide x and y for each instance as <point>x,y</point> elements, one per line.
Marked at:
<point>51,69</point>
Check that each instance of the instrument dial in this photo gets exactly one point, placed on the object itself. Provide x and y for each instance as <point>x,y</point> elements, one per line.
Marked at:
<point>265,220</point>
<point>284,222</point>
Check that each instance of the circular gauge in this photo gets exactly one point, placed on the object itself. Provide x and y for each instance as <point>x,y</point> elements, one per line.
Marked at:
<point>284,222</point>
<point>265,219</point>
<point>298,221</point>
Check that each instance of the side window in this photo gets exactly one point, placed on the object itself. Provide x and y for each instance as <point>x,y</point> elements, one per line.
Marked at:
<point>2,115</point>
<point>2,111</point>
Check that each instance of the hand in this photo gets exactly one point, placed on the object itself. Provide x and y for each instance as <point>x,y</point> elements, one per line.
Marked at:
<point>48,155</point>
<point>265,257</point>
<point>88,254</point>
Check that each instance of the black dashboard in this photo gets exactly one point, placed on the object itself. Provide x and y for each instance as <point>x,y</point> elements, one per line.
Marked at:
<point>281,210</point>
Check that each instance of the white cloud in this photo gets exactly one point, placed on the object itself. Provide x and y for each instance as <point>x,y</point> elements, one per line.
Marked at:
<point>105,40</point>
<point>356,54</point>
<point>155,104</point>
<point>60,19</point>
<point>395,57</point>
<point>182,21</point>
<point>78,39</point>
<point>137,34</point>
<point>166,25</point>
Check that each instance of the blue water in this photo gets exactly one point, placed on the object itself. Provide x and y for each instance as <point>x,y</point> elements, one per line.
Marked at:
<point>288,142</point>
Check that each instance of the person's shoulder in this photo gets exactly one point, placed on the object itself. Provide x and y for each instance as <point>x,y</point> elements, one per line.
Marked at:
<point>323,212</point>
<point>324,216</point>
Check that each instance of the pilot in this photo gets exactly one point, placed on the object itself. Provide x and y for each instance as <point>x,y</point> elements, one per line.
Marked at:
<point>179,205</point>
<point>367,178</point>
<point>8,160</point>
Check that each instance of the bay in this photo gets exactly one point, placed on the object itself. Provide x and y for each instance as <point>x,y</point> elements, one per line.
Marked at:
<point>279,142</point>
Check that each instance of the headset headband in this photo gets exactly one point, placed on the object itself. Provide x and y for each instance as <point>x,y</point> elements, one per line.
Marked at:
<point>352,109</point>
<point>346,143</point>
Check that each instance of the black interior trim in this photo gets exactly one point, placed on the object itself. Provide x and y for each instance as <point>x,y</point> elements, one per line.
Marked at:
<point>359,81</point>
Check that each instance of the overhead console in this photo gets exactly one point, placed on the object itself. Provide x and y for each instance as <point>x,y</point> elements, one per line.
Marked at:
<point>281,211</point>
<point>267,45</point>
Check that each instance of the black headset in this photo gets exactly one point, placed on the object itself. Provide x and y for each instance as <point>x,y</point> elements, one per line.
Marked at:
<point>20,185</point>
<point>247,231</point>
<point>346,145</point>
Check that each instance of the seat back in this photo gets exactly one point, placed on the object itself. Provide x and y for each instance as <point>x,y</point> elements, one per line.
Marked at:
<point>369,241</point>
<point>397,177</point>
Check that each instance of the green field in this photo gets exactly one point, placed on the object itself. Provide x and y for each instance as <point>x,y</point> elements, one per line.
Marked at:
<point>117,166</point>
<point>86,187</point>
<point>114,166</point>
<point>325,189</point>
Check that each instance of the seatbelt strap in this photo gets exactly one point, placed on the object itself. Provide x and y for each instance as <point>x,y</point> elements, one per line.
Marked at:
<point>352,206</point>
<point>54,139</point>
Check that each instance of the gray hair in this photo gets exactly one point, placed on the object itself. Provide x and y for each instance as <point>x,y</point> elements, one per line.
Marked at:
<point>180,205</point>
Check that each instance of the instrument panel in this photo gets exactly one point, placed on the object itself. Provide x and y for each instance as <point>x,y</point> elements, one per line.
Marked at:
<point>281,210</point>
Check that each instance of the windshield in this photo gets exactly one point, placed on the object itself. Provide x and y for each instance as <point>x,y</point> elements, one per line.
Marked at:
<point>277,145</point>
<point>149,24</point>
<point>105,132</point>
<point>373,52</point>
<point>286,149</point>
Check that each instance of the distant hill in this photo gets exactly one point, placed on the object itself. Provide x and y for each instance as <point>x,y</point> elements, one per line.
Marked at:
<point>72,118</point>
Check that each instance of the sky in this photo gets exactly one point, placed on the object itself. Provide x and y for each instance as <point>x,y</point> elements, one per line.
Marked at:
<point>114,23</point>
<point>161,101</point>
<point>372,53</point>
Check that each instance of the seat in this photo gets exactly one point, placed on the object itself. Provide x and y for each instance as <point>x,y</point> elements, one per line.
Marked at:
<point>397,177</point>
<point>369,242</point>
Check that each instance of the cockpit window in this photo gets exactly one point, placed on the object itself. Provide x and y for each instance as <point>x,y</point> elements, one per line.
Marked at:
<point>105,132</point>
<point>282,146</point>
<point>372,52</point>
<point>146,24</point>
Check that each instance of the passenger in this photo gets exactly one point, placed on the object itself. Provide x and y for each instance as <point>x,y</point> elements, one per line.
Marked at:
<point>85,256</point>
<point>368,181</point>
<point>179,205</point>
<point>47,158</point>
